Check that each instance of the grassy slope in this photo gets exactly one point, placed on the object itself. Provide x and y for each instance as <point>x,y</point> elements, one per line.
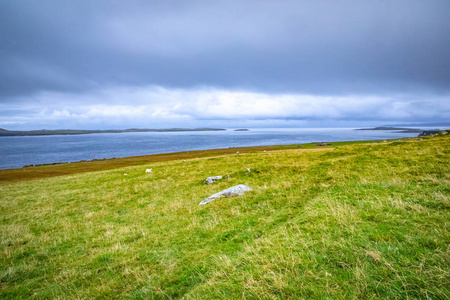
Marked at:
<point>52,170</point>
<point>358,221</point>
<point>46,171</point>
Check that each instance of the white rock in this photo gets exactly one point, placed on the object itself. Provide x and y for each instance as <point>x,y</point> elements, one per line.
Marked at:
<point>148,171</point>
<point>211,179</point>
<point>236,190</point>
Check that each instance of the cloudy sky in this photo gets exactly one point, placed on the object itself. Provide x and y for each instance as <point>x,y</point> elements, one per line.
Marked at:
<point>224,63</point>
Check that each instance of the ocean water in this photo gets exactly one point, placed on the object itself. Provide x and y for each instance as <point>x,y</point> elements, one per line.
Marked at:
<point>15,152</point>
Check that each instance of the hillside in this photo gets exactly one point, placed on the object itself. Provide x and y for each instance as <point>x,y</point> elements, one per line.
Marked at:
<point>359,220</point>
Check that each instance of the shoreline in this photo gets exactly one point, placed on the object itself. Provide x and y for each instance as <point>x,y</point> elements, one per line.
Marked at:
<point>32,172</point>
<point>54,150</point>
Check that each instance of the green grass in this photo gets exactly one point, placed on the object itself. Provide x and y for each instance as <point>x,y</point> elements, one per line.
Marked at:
<point>59,169</point>
<point>355,220</point>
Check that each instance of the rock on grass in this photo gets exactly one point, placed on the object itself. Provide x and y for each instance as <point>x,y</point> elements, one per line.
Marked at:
<point>236,190</point>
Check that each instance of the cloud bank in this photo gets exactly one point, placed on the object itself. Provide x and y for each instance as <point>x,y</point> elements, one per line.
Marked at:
<point>155,106</point>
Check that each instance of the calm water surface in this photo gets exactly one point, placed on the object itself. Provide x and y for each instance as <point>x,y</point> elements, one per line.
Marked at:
<point>16,152</point>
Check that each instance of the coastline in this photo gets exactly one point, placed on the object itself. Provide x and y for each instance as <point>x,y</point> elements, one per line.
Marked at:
<point>60,169</point>
<point>20,151</point>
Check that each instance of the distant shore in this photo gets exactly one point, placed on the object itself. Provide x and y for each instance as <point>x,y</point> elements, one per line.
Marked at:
<point>396,129</point>
<point>4,132</point>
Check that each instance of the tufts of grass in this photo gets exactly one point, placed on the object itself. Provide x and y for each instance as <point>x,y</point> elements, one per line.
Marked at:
<point>355,220</point>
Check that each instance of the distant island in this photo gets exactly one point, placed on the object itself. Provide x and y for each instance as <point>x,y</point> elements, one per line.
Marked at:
<point>397,129</point>
<point>4,132</point>
<point>243,129</point>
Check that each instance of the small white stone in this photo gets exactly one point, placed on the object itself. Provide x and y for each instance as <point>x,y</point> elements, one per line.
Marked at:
<point>212,179</point>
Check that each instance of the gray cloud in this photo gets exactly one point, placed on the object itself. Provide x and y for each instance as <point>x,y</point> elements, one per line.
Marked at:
<point>319,48</point>
<point>155,106</point>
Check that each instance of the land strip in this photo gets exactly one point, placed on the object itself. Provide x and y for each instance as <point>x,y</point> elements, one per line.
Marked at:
<point>4,132</point>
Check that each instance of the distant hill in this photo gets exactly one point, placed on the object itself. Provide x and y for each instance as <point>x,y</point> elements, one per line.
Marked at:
<point>4,132</point>
<point>405,130</point>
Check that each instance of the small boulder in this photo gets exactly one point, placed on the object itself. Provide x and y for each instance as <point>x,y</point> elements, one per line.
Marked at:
<point>236,190</point>
<point>212,179</point>
<point>323,144</point>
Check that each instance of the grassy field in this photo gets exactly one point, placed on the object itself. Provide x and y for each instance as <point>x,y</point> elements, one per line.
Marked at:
<point>59,169</point>
<point>347,221</point>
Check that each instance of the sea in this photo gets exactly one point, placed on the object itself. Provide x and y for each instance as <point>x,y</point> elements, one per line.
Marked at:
<point>18,151</point>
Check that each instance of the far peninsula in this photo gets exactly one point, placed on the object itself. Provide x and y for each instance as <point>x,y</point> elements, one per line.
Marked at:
<point>396,129</point>
<point>4,132</point>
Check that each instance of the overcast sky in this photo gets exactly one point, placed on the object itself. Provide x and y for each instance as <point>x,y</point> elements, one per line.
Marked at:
<point>157,64</point>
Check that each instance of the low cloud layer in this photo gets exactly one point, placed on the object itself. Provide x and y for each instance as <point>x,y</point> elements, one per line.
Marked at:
<point>114,64</point>
<point>152,107</point>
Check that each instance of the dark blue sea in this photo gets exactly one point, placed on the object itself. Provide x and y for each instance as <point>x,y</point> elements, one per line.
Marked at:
<point>15,152</point>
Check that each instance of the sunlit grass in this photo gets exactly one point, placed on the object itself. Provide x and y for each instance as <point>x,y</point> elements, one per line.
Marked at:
<point>352,221</point>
